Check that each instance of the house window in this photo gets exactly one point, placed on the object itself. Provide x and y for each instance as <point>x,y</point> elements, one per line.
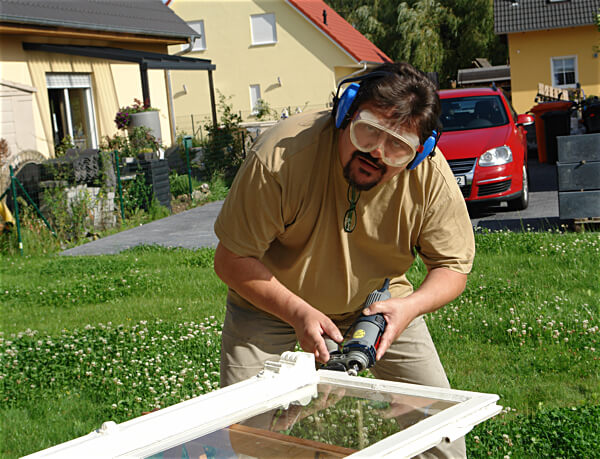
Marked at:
<point>199,43</point>
<point>291,415</point>
<point>564,71</point>
<point>254,97</point>
<point>263,29</point>
<point>72,108</point>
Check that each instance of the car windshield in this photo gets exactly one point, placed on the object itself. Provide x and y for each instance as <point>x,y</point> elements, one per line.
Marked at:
<point>477,112</point>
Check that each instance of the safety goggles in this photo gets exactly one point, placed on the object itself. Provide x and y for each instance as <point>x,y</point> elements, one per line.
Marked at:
<point>367,133</point>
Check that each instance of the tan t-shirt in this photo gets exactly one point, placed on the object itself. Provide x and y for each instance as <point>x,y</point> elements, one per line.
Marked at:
<point>287,204</point>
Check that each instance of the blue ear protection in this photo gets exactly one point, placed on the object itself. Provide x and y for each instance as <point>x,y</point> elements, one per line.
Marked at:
<point>428,149</point>
<point>344,107</point>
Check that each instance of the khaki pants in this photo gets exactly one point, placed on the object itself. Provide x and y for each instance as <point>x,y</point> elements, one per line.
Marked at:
<point>250,338</point>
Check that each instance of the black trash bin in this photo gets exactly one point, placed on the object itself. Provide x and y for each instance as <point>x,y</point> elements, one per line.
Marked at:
<point>591,117</point>
<point>557,123</point>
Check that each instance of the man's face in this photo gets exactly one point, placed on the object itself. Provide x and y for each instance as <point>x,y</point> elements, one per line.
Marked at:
<point>365,169</point>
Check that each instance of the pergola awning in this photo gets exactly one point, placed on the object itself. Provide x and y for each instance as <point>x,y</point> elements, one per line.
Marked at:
<point>145,59</point>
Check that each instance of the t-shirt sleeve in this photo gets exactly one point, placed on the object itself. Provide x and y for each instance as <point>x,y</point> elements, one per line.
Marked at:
<point>251,216</point>
<point>446,238</point>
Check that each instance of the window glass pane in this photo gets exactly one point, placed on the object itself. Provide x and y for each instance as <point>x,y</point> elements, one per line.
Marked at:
<point>254,96</point>
<point>339,422</point>
<point>559,65</point>
<point>263,29</point>
<point>58,114</point>
<point>80,118</point>
<point>569,65</point>
<point>569,78</point>
<point>199,43</point>
<point>464,113</point>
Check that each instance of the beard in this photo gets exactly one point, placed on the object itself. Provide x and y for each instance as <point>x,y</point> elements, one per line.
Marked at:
<point>362,178</point>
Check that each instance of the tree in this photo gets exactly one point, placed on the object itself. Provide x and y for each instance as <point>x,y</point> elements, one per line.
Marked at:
<point>475,36</point>
<point>434,35</point>
<point>363,15</point>
<point>420,29</point>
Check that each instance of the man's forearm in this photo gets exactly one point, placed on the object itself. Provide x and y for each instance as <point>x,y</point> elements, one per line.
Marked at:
<point>251,279</point>
<point>440,287</point>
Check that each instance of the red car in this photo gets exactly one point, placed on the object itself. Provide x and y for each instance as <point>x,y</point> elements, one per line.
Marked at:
<point>485,144</point>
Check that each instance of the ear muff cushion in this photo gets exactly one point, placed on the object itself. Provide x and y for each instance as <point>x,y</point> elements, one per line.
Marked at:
<point>428,148</point>
<point>344,104</point>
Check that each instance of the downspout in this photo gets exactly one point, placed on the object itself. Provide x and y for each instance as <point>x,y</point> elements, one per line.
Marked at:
<point>171,108</point>
<point>359,71</point>
<point>185,50</point>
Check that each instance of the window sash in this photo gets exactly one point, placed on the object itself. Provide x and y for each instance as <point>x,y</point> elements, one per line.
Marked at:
<point>291,379</point>
<point>69,83</point>
<point>263,29</point>
<point>564,71</point>
<point>254,97</point>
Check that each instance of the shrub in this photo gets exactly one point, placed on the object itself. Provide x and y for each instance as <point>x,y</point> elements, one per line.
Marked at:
<point>224,147</point>
<point>180,184</point>
<point>65,144</point>
<point>137,194</point>
<point>36,237</point>
<point>4,151</point>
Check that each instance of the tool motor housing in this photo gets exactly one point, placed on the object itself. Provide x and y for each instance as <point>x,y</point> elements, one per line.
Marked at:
<point>363,340</point>
<point>359,348</point>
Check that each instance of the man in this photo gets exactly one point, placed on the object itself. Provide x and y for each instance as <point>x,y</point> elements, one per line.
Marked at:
<point>318,216</point>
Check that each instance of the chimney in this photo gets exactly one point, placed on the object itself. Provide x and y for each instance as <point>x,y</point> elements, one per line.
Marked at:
<point>325,17</point>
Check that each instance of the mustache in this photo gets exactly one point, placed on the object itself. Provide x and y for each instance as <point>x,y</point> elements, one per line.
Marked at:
<point>367,156</point>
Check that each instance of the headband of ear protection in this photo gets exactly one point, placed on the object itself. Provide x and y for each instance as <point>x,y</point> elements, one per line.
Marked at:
<point>344,107</point>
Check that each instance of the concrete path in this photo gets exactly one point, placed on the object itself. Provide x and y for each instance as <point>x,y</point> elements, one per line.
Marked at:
<point>193,229</point>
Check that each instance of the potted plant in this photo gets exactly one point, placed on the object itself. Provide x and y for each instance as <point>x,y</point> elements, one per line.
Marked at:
<point>142,143</point>
<point>139,114</point>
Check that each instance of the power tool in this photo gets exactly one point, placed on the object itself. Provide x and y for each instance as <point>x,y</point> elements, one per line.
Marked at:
<point>359,347</point>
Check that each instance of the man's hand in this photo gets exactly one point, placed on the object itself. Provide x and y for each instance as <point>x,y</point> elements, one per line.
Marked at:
<point>441,285</point>
<point>397,318</point>
<point>310,325</point>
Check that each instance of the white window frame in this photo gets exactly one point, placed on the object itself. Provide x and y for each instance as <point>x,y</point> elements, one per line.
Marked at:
<point>263,29</point>
<point>292,379</point>
<point>66,81</point>
<point>552,66</point>
<point>199,43</point>
<point>254,92</point>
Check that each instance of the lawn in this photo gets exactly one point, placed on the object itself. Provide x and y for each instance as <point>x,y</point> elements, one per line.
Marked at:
<point>89,339</point>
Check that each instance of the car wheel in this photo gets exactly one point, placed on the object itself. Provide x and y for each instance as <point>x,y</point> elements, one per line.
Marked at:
<point>522,201</point>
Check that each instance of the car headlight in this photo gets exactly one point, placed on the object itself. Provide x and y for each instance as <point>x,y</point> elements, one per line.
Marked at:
<point>496,157</point>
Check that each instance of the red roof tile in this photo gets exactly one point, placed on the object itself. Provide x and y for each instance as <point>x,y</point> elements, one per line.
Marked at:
<point>340,31</point>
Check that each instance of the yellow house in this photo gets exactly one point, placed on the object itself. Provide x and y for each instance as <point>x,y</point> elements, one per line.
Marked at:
<point>554,42</point>
<point>67,67</point>
<point>287,53</point>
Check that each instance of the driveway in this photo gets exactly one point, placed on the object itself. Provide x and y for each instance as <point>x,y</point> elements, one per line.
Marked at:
<point>193,229</point>
<point>542,213</point>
